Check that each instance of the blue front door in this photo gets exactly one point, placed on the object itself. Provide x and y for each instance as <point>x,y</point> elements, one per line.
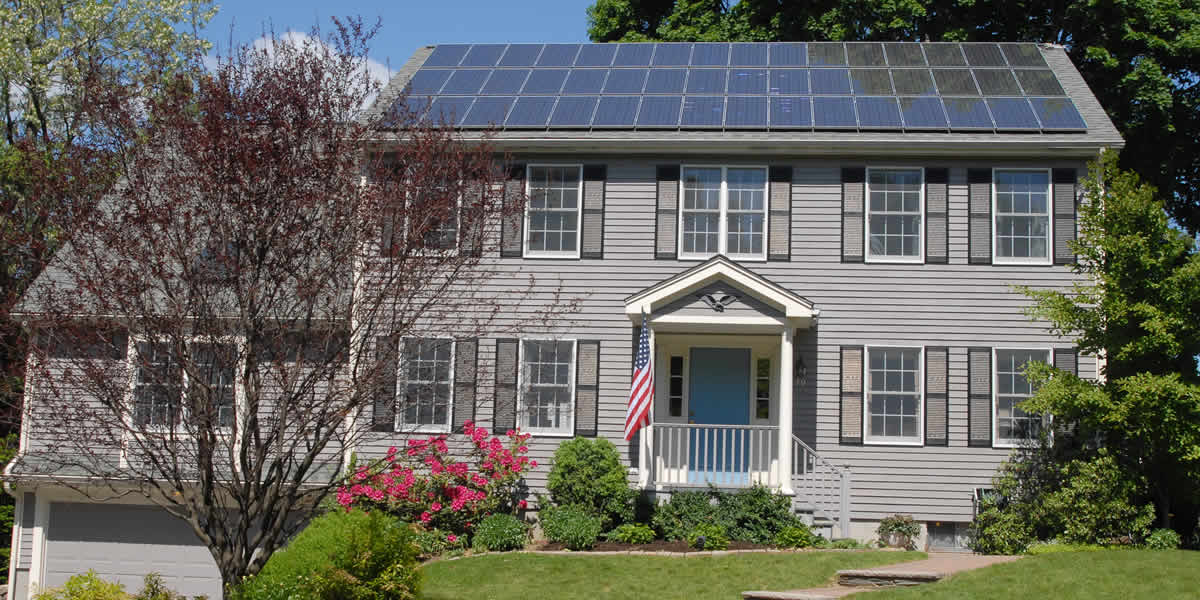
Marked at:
<point>720,395</point>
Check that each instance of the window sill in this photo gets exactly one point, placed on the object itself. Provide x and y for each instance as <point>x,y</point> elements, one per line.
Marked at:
<point>555,255</point>
<point>1013,444</point>
<point>1040,262</point>
<point>916,260</point>
<point>737,257</point>
<point>893,442</point>
<point>549,434</point>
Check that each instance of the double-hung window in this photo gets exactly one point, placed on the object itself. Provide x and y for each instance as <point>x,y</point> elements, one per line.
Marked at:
<point>425,384</point>
<point>1022,216</point>
<point>555,194</point>
<point>895,215</point>
<point>547,386</point>
<point>724,211</point>
<point>433,218</point>
<point>894,396</point>
<point>1013,425</point>
<point>168,388</point>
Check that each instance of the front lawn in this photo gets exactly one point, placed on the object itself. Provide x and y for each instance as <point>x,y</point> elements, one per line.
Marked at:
<point>521,576</point>
<point>1111,574</point>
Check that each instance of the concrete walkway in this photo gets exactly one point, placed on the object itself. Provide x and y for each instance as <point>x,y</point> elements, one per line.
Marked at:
<point>938,566</point>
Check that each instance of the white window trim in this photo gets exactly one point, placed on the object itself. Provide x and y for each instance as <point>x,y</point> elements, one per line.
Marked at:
<point>723,203</point>
<point>398,424</point>
<point>541,431</point>
<point>871,258</point>
<point>578,214</point>
<point>997,442</point>
<point>239,387</point>
<point>1008,260</point>
<point>866,407</point>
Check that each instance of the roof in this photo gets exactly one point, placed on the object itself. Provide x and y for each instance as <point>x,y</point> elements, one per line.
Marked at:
<point>997,97</point>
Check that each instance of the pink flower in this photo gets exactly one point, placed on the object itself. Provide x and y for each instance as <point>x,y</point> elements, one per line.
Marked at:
<point>452,538</point>
<point>523,449</point>
<point>510,433</point>
<point>469,427</point>
<point>436,506</point>
<point>426,517</point>
<point>533,464</point>
<point>522,505</point>
<point>344,498</point>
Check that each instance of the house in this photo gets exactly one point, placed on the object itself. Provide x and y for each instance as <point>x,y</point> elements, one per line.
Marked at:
<point>823,239</point>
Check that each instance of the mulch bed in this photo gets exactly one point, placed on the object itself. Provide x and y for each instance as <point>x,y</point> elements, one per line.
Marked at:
<point>655,546</point>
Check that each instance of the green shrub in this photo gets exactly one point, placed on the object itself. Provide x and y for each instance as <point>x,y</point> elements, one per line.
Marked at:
<point>1055,546</point>
<point>997,529</point>
<point>574,526</point>
<point>755,515</point>
<point>500,533</point>
<point>847,544</point>
<point>677,517</point>
<point>436,542</point>
<point>632,533</point>
<point>1095,504</point>
<point>153,588</point>
<point>345,555</point>
<point>899,531</point>
<point>795,536</point>
<point>589,473</point>
<point>85,586</point>
<point>1163,539</point>
<point>708,536</point>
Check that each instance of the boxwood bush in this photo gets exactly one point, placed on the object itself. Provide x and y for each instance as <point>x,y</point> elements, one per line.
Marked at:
<point>754,515</point>
<point>589,473</point>
<point>795,536</point>
<point>500,533</point>
<point>632,533</point>
<point>708,536</point>
<point>574,526</point>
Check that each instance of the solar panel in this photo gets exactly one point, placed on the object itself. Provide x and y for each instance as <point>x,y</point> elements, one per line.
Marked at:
<point>585,81</point>
<point>747,81</point>
<point>913,82</point>
<point>865,54</point>
<point>665,81</point>
<point>574,111</point>
<point>672,54</point>
<point>703,111</point>
<point>596,55</point>
<point>530,111</point>
<point>633,55</point>
<point>1039,82</point>
<point>922,113</point>
<point>625,81</point>
<point>748,55</point>
<point>659,111</point>
<point>505,82</point>
<point>830,81</point>
<point>826,53</point>
<point>788,54</point>
<point>409,110</point>
<point>427,82</point>
<point>482,55</point>
<point>449,110</point>
<point>710,55</point>
<point>616,111</point>
<point>837,112</point>
<point>870,82</point>
<point>984,55</point>
<point>996,82</point>
<point>1023,55</point>
<point>465,82</point>
<point>1058,113</point>
<point>904,54</point>
<point>545,81</point>
<point>878,112</point>
<point>789,81</point>
<point>447,55</point>
<point>967,113</point>
<point>944,55</point>
<point>790,112</point>
<point>746,111</point>
<point>1012,113</point>
<point>521,55</point>
<point>488,111</point>
<point>955,82</point>
<point>706,81</point>
<point>558,55</point>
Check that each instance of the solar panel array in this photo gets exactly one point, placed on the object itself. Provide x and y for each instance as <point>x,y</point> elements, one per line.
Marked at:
<point>970,87</point>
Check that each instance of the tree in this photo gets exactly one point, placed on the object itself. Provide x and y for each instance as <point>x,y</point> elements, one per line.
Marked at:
<point>1140,310</point>
<point>1138,57</point>
<point>214,333</point>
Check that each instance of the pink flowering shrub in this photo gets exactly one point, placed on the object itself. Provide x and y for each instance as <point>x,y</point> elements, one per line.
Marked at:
<point>424,484</point>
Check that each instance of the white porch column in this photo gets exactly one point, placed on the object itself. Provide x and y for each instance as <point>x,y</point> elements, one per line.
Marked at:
<point>785,408</point>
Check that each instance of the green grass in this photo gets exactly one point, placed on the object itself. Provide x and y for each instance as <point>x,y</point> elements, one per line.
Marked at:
<point>520,576</point>
<point>1112,574</point>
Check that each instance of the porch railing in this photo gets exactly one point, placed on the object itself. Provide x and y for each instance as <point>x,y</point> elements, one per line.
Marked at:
<point>687,455</point>
<point>823,485</point>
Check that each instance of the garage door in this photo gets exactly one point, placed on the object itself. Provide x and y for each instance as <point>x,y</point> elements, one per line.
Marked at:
<point>122,543</point>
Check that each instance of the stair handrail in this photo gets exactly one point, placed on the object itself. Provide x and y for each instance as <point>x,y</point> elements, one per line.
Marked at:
<point>806,461</point>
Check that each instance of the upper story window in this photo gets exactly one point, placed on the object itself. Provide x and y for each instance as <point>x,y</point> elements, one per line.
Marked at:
<point>893,400</point>
<point>555,194</point>
<point>167,389</point>
<point>546,402</point>
<point>1022,216</point>
<point>724,211</point>
<point>895,215</point>
<point>1013,425</point>
<point>433,218</point>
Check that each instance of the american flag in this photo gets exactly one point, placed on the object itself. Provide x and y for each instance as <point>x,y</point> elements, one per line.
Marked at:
<point>641,391</point>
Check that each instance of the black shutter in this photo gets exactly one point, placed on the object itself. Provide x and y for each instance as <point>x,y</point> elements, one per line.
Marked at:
<point>666,222</point>
<point>853,203</point>
<point>979,397</point>
<point>592,236</point>
<point>471,216</point>
<point>391,229</point>
<point>1067,359</point>
<point>979,182</point>
<point>779,235</point>
<point>512,230</point>
<point>937,396</point>
<point>507,363</point>
<point>1064,215</point>
<point>383,399</point>
<point>851,394</point>
<point>466,361</point>
<point>937,199</point>
<point>587,387</point>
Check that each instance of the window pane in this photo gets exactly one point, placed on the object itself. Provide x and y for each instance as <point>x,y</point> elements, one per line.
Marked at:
<point>1022,214</point>
<point>546,385</point>
<point>894,393</point>
<point>1013,388</point>
<point>426,369</point>
<point>894,213</point>
<point>553,209</point>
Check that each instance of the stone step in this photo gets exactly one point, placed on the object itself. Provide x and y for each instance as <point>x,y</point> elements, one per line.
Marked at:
<point>886,577</point>
<point>826,593</point>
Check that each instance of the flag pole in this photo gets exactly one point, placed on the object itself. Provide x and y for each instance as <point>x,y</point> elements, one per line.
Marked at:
<point>645,454</point>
